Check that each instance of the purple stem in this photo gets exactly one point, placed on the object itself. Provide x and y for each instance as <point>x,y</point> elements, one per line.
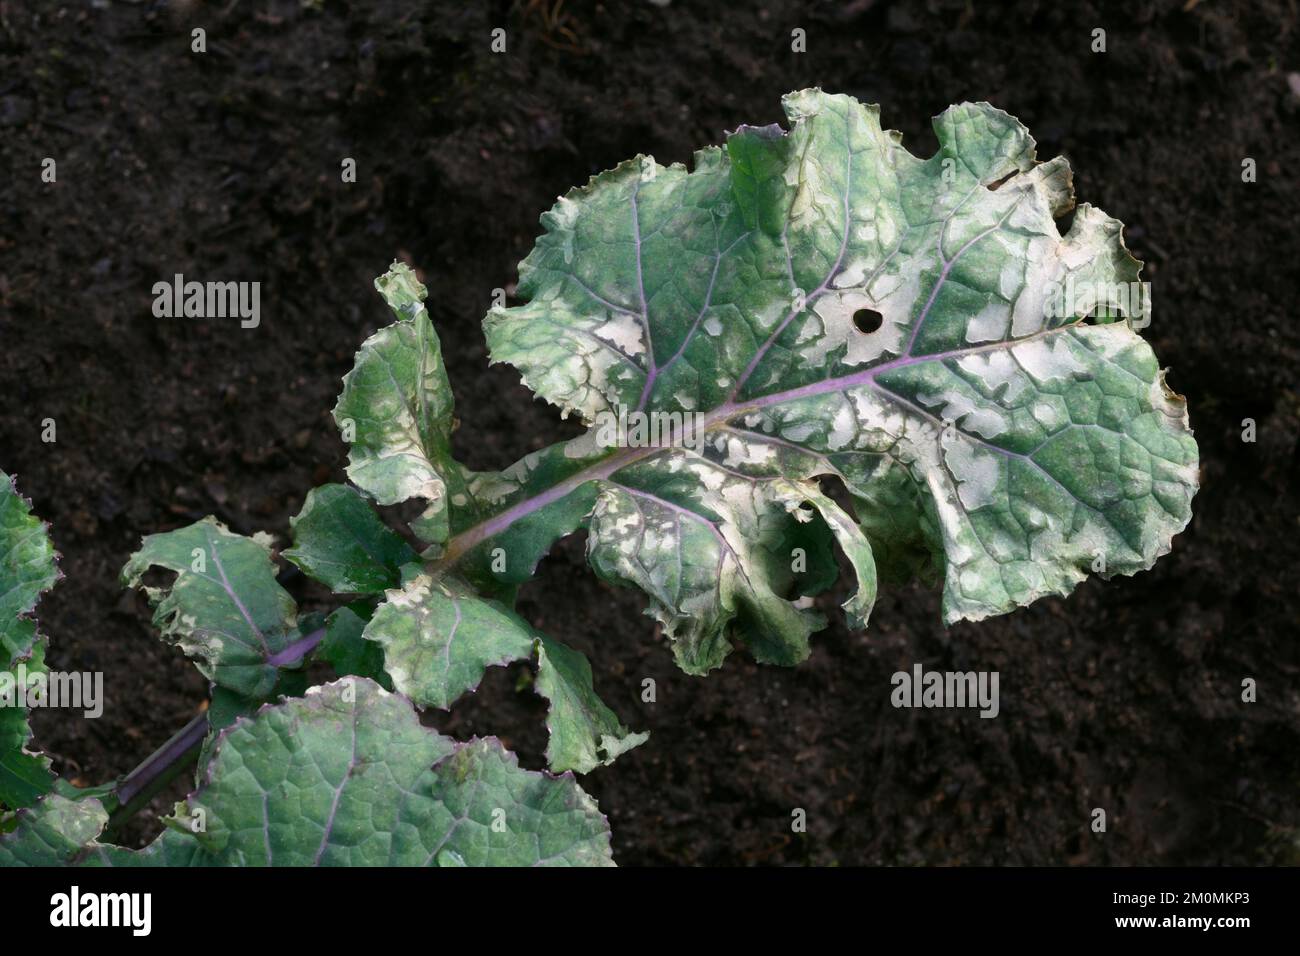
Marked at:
<point>471,537</point>
<point>158,763</point>
<point>168,758</point>
<point>296,651</point>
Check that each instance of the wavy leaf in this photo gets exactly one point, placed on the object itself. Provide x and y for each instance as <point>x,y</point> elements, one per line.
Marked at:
<point>396,409</point>
<point>985,437</point>
<point>439,637</point>
<point>53,832</point>
<point>27,569</point>
<point>585,734</point>
<point>225,609</point>
<point>345,648</point>
<point>340,541</point>
<point>346,776</point>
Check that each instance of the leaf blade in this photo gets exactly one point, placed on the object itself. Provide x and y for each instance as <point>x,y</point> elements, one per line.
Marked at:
<point>438,639</point>
<point>584,732</point>
<point>28,568</point>
<point>225,609</point>
<point>340,541</point>
<point>747,283</point>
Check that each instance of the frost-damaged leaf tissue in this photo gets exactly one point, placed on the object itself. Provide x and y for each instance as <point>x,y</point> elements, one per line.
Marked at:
<point>709,326</point>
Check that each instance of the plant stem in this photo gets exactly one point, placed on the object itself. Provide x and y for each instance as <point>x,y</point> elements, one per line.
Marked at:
<point>297,650</point>
<point>162,766</point>
<point>139,786</point>
<point>456,546</point>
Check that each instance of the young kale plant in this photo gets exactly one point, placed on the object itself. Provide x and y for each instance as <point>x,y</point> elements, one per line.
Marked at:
<point>802,305</point>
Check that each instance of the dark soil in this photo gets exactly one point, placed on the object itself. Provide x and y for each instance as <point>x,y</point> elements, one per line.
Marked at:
<point>225,165</point>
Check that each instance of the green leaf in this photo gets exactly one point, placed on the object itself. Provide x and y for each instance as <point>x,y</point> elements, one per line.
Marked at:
<point>340,541</point>
<point>225,609</point>
<point>853,542</point>
<point>52,832</point>
<point>174,847</point>
<point>347,776</point>
<point>63,830</point>
<point>987,434</point>
<point>438,638</point>
<point>397,407</point>
<point>584,732</point>
<point>24,775</point>
<point>547,821</point>
<point>346,649</point>
<point>227,706</point>
<point>715,560</point>
<point>27,569</point>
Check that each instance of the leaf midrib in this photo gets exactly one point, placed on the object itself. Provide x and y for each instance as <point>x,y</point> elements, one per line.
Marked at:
<point>458,545</point>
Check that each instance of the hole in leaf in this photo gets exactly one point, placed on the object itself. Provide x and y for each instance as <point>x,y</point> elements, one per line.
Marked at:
<point>867,320</point>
